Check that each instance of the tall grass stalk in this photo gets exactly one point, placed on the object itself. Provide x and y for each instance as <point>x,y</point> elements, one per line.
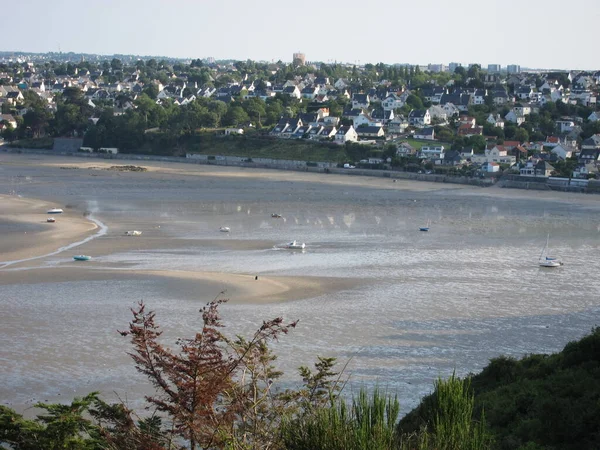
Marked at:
<point>368,424</point>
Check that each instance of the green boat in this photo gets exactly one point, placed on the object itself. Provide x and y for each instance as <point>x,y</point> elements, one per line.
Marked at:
<point>82,257</point>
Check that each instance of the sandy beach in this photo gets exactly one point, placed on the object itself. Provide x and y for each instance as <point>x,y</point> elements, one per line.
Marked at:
<point>30,239</point>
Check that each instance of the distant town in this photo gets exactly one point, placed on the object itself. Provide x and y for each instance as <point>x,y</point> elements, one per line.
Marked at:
<point>454,120</point>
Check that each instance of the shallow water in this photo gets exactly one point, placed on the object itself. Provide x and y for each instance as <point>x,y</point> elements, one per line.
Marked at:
<point>427,304</point>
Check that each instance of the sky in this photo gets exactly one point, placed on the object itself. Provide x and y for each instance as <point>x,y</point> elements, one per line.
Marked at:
<point>531,33</point>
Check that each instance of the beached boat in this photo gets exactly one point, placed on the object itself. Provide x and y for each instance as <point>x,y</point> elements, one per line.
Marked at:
<point>548,261</point>
<point>225,229</point>
<point>82,257</point>
<point>51,219</point>
<point>296,245</point>
<point>133,233</point>
<point>55,211</point>
<point>426,227</point>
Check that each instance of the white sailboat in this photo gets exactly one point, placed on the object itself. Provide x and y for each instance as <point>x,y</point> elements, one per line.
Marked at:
<point>548,261</point>
<point>426,227</point>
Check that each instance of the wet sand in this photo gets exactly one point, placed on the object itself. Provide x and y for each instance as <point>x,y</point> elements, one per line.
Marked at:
<point>22,253</point>
<point>403,305</point>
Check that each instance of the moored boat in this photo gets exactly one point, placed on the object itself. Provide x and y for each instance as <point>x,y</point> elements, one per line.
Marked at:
<point>82,257</point>
<point>548,261</point>
<point>55,211</point>
<point>294,245</point>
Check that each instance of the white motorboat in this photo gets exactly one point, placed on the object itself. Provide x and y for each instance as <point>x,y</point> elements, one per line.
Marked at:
<point>548,261</point>
<point>294,245</point>
<point>225,229</point>
<point>50,220</point>
<point>276,216</point>
<point>82,257</point>
<point>133,233</point>
<point>55,211</point>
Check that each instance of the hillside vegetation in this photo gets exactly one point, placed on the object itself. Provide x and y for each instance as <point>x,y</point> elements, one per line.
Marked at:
<point>538,402</point>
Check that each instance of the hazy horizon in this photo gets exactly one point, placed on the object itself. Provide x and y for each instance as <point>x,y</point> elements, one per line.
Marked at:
<point>435,32</point>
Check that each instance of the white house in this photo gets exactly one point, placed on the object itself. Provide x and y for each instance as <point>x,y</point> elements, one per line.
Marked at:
<point>565,125</point>
<point>432,152</point>
<point>360,101</point>
<point>513,117</point>
<point>8,118</point>
<point>451,110</point>
<point>495,121</point>
<point>563,152</point>
<point>498,154</point>
<point>419,117</point>
<point>491,167</point>
<point>439,113</point>
<point>292,91</point>
<point>346,134</point>
<point>366,120</point>
<point>479,97</point>
<point>427,133</point>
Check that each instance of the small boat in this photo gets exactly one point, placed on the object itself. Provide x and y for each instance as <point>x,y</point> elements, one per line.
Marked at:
<point>425,228</point>
<point>225,229</point>
<point>133,233</point>
<point>55,211</point>
<point>276,216</point>
<point>548,261</point>
<point>51,220</point>
<point>82,257</point>
<point>295,245</point>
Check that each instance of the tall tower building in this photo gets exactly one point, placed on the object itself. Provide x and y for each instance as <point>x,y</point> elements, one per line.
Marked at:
<point>513,68</point>
<point>299,59</point>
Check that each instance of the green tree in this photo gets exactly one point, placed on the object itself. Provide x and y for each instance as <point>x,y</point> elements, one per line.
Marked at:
<point>521,135</point>
<point>414,102</point>
<point>235,116</point>
<point>116,64</point>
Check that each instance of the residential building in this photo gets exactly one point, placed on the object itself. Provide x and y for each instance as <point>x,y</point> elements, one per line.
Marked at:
<point>404,149</point>
<point>419,117</point>
<point>346,134</point>
<point>453,65</point>
<point>589,156</point>
<point>9,119</point>
<point>427,133</point>
<point>370,132</point>
<point>591,143</point>
<point>360,101</point>
<point>398,125</point>
<point>562,152</point>
<point>432,152</point>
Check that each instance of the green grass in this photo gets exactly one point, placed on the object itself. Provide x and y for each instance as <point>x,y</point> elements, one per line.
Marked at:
<point>248,147</point>
<point>418,143</point>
